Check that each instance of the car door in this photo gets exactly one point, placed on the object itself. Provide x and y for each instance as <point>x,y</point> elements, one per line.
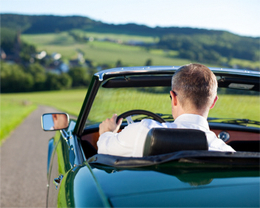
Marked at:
<point>65,154</point>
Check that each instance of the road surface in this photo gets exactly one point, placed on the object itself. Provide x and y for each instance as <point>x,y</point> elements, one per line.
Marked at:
<point>23,163</point>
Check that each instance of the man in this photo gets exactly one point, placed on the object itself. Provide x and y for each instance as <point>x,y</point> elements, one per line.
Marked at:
<point>193,94</point>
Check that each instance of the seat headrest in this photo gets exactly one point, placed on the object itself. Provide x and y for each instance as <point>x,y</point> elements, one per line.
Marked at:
<point>166,140</point>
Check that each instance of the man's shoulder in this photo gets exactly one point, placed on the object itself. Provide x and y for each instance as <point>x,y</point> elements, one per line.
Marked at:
<point>149,123</point>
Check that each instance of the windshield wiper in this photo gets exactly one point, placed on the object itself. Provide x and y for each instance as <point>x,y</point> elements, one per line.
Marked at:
<point>235,121</point>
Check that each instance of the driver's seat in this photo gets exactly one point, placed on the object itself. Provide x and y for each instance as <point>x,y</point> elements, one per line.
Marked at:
<point>166,140</point>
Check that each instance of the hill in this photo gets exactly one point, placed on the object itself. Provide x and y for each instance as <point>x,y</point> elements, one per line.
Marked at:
<point>33,24</point>
<point>201,45</point>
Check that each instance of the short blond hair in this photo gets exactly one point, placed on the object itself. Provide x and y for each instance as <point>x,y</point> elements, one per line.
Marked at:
<point>195,83</point>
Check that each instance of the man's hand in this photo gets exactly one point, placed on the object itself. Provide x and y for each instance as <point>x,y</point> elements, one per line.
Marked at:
<point>110,125</point>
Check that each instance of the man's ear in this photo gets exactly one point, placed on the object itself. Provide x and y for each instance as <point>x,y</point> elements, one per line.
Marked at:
<point>214,102</point>
<point>174,98</point>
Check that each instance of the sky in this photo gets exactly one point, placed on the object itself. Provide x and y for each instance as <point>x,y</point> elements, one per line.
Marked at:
<point>241,17</point>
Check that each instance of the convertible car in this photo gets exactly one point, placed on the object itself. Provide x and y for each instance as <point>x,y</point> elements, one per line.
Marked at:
<point>176,169</point>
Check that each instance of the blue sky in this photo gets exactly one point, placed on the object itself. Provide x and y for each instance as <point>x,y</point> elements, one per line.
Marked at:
<point>238,16</point>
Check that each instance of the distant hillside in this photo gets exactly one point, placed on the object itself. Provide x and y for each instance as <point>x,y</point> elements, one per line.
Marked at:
<point>33,24</point>
<point>208,46</point>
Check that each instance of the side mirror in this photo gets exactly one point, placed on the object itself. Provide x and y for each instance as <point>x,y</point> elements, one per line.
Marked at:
<point>55,121</point>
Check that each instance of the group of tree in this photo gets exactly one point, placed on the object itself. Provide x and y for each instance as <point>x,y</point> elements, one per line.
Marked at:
<point>77,37</point>
<point>11,44</point>
<point>17,78</point>
<point>212,48</point>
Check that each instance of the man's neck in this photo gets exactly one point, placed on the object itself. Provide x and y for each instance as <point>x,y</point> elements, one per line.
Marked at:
<point>203,113</point>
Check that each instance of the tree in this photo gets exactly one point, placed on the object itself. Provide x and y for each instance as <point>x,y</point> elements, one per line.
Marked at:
<point>7,39</point>
<point>39,76</point>
<point>26,51</point>
<point>79,76</point>
<point>65,80</point>
<point>58,81</point>
<point>14,79</point>
<point>52,82</point>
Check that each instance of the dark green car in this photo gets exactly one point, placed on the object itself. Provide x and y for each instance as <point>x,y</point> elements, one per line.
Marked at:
<point>184,176</point>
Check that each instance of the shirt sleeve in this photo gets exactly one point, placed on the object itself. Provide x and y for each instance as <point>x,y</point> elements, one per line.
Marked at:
<point>220,145</point>
<point>121,144</point>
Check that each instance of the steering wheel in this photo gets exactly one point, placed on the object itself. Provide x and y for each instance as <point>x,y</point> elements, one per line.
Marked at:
<point>127,115</point>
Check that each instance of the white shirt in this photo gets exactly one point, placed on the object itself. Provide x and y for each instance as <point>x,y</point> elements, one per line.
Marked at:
<point>130,141</point>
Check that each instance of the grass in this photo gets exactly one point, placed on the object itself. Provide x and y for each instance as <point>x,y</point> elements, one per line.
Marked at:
<point>118,37</point>
<point>237,106</point>
<point>121,100</point>
<point>65,100</point>
<point>245,63</point>
<point>118,101</point>
<point>12,114</point>
<point>16,106</point>
<point>49,39</point>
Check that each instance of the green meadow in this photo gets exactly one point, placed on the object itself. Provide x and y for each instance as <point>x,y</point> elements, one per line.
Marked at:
<point>15,107</point>
<point>101,52</point>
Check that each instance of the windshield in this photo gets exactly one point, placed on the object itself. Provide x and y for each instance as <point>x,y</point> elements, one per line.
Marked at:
<point>118,100</point>
<point>232,104</point>
<point>236,104</point>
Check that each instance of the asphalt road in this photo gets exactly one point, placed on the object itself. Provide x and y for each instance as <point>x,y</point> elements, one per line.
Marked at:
<point>24,162</point>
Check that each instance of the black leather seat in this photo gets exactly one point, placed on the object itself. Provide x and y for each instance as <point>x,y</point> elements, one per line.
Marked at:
<point>165,140</point>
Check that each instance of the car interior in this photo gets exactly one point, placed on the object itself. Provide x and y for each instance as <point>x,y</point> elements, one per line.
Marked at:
<point>240,139</point>
<point>241,134</point>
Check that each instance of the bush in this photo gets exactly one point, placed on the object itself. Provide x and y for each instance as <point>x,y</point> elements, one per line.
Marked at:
<point>15,79</point>
<point>39,76</point>
<point>57,82</point>
<point>79,76</point>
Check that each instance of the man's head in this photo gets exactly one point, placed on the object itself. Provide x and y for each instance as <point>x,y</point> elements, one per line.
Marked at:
<point>60,121</point>
<point>195,87</point>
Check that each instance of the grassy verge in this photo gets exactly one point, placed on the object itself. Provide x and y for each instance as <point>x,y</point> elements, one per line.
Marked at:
<point>12,114</point>
<point>16,106</point>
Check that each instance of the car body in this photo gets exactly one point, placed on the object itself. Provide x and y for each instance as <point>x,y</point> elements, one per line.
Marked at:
<point>79,177</point>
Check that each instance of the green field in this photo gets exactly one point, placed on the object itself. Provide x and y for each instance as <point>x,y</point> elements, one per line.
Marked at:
<point>118,37</point>
<point>101,52</point>
<point>15,107</point>
<point>104,52</point>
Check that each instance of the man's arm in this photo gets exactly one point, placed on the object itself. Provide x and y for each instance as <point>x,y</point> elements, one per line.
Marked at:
<point>109,141</point>
<point>129,142</point>
<point>110,125</point>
